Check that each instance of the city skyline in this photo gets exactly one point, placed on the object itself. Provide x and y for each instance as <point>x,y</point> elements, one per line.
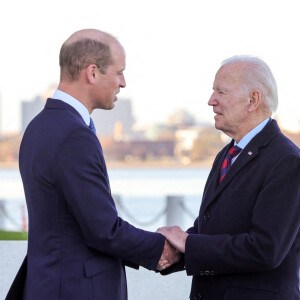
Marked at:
<point>174,49</point>
<point>105,120</point>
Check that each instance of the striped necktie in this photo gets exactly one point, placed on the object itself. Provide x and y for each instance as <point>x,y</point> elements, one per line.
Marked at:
<point>92,126</point>
<point>234,151</point>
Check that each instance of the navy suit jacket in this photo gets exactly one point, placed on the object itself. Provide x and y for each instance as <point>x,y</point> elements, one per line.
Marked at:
<point>245,243</point>
<point>77,244</point>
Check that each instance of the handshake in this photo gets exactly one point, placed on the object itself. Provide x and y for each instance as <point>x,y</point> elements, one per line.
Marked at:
<point>174,246</point>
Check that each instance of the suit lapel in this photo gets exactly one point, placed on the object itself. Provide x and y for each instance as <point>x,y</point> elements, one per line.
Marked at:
<point>214,176</point>
<point>247,156</point>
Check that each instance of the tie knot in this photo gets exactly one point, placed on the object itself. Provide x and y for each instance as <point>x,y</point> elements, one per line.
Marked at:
<point>92,126</point>
<point>234,151</point>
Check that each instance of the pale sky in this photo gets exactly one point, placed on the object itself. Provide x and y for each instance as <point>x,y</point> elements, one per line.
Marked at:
<point>174,49</point>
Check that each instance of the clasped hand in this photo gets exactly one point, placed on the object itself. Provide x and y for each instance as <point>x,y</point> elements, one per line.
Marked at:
<point>174,246</point>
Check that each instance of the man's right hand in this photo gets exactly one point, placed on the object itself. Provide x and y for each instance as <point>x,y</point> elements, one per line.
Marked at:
<point>169,257</point>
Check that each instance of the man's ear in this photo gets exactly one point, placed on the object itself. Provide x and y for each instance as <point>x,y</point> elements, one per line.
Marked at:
<point>254,100</point>
<point>91,71</point>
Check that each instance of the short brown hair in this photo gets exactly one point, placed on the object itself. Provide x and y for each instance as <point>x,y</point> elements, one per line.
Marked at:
<point>75,56</point>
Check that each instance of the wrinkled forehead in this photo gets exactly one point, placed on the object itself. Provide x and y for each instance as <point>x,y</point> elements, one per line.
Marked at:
<point>232,74</point>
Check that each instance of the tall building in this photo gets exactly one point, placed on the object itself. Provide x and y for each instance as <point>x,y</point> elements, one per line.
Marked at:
<point>115,121</point>
<point>29,109</point>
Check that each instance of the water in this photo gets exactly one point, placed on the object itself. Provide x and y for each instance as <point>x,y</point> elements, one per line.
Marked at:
<point>143,193</point>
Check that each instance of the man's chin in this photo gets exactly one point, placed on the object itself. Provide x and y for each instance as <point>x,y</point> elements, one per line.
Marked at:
<point>219,126</point>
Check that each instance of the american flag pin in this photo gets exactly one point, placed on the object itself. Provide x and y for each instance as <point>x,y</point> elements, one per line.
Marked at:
<point>249,153</point>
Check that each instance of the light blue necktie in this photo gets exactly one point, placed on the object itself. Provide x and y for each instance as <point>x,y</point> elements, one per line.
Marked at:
<point>92,126</point>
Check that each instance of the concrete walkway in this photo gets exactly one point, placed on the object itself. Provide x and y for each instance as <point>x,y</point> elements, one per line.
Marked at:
<point>142,284</point>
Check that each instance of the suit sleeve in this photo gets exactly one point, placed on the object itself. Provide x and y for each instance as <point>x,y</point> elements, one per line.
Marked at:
<point>81,177</point>
<point>193,229</point>
<point>270,236</point>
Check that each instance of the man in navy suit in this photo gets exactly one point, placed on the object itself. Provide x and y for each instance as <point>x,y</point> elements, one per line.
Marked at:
<point>245,243</point>
<point>77,244</point>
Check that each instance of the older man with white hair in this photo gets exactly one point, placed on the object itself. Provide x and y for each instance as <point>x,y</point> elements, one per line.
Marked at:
<point>245,243</point>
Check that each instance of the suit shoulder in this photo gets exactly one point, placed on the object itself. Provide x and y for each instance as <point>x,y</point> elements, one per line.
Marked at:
<point>52,128</point>
<point>285,146</point>
<point>57,121</point>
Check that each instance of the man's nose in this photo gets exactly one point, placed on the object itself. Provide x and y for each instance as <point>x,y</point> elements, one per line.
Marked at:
<point>123,82</point>
<point>212,100</point>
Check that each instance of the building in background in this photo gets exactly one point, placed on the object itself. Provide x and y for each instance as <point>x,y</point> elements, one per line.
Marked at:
<point>197,143</point>
<point>117,122</point>
<point>29,109</point>
<point>181,119</point>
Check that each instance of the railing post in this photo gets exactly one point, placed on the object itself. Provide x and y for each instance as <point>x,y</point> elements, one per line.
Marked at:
<point>174,214</point>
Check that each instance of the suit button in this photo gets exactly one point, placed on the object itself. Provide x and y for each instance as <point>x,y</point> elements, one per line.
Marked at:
<point>206,216</point>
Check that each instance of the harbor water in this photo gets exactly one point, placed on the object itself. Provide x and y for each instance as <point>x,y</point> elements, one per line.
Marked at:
<point>142,192</point>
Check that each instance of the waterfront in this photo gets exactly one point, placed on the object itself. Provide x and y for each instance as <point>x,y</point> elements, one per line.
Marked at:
<point>143,191</point>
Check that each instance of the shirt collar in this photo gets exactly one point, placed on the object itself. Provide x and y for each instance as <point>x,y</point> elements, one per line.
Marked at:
<point>82,110</point>
<point>251,134</point>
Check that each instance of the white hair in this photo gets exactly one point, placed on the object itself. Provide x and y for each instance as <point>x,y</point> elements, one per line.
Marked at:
<point>258,76</point>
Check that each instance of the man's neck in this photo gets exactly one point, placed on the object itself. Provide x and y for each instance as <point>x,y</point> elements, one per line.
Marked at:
<point>75,90</point>
<point>250,126</point>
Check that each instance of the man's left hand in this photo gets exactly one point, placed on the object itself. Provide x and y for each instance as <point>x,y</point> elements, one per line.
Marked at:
<point>175,235</point>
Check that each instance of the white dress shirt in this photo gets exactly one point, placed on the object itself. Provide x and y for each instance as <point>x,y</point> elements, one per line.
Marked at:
<point>249,136</point>
<point>82,110</point>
